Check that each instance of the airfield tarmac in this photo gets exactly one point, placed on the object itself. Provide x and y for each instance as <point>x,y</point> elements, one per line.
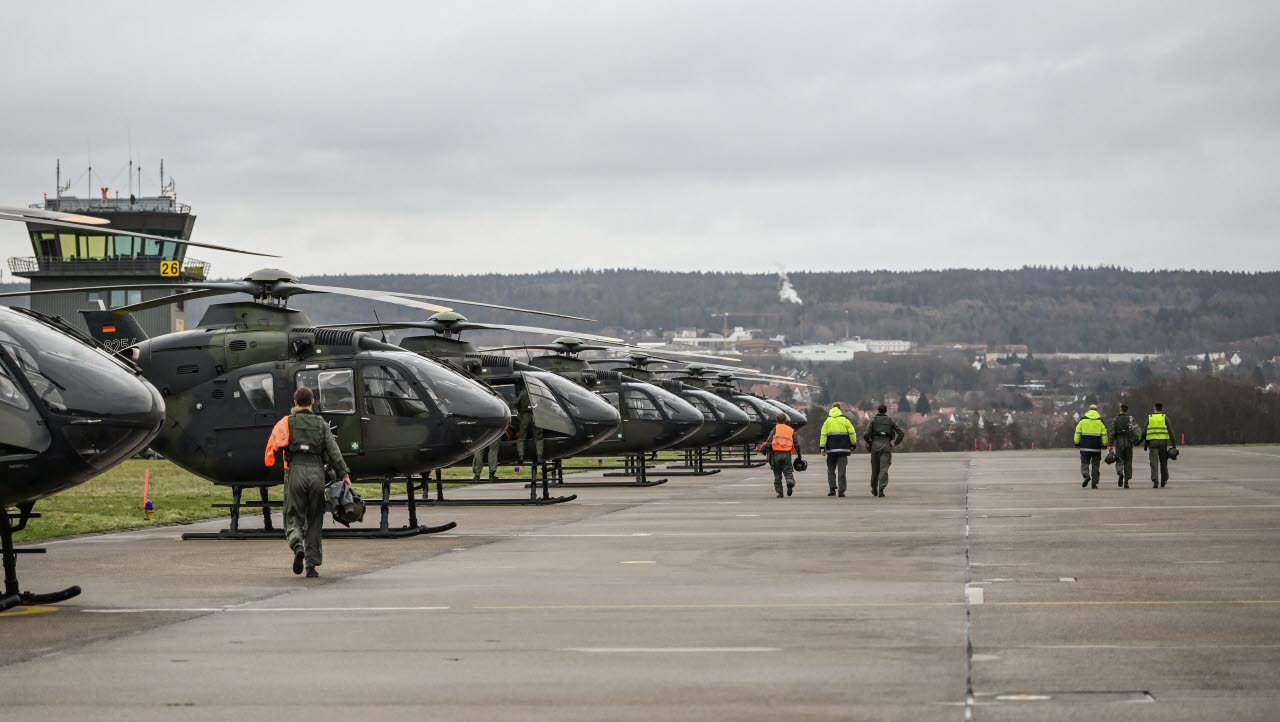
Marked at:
<point>987,586</point>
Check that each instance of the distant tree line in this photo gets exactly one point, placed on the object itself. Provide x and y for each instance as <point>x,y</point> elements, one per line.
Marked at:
<point>1047,309</point>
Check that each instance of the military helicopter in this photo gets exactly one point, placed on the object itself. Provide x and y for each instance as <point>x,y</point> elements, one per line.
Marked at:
<point>653,418</point>
<point>722,420</point>
<point>762,411</point>
<point>225,382</point>
<point>571,417</point>
<point>68,412</point>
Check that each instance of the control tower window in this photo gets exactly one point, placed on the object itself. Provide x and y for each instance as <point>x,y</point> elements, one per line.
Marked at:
<point>124,298</point>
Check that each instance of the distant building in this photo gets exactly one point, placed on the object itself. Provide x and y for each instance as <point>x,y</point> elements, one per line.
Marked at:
<point>818,353</point>
<point>70,258</point>
<point>866,345</point>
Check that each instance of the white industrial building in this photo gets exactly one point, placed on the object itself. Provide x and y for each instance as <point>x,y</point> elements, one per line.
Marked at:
<point>818,352</point>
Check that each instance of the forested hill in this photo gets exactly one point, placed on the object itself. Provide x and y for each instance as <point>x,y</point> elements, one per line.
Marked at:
<point>1049,309</point>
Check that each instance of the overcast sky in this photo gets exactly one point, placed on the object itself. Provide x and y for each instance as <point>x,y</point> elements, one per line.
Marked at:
<point>472,136</point>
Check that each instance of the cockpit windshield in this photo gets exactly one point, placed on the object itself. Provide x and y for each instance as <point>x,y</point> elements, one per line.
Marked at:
<point>9,392</point>
<point>451,392</point>
<point>676,407</point>
<point>69,376</point>
<point>585,404</point>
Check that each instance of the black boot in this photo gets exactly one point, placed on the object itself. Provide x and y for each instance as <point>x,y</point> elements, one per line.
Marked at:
<point>1086,483</point>
<point>831,493</point>
<point>297,562</point>
<point>312,573</point>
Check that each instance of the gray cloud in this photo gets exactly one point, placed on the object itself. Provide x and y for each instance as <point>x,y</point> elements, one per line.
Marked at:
<point>460,137</point>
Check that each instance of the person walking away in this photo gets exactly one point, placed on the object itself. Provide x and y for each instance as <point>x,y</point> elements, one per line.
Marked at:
<point>781,442</point>
<point>882,434</point>
<point>1125,434</point>
<point>309,446</point>
<point>1091,438</point>
<point>836,443</point>
<point>1158,444</point>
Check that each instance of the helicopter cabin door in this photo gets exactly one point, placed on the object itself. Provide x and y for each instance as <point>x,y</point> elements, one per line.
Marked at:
<point>548,413</point>
<point>335,392</point>
<point>392,414</point>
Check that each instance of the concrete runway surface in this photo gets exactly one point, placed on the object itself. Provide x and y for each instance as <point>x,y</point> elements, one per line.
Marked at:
<point>986,586</point>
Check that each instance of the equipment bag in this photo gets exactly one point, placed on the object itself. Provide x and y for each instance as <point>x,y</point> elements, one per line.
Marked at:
<point>344,503</point>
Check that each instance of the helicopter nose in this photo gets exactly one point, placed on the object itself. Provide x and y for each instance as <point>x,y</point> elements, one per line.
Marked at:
<point>484,420</point>
<point>102,441</point>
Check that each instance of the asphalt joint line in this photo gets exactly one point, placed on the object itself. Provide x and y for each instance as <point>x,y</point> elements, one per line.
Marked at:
<point>969,601</point>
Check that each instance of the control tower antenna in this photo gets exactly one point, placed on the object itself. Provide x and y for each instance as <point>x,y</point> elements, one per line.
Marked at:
<point>162,176</point>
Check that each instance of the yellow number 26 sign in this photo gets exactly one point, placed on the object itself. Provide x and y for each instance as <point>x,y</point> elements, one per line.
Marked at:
<point>170,269</point>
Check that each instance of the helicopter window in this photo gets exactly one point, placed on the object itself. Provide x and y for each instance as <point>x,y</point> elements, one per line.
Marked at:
<point>335,389</point>
<point>388,392</point>
<point>702,407</point>
<point>544,398</point>
<point>9,391</point>
<point>451,393</point>
<point>46,390</point>
<point>260,390</point>
<point>640,406</point>
<point>69,376</point>
<point>751,410</point>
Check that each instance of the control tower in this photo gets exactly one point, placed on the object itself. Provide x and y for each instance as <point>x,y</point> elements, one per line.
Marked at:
<point>67,258</point>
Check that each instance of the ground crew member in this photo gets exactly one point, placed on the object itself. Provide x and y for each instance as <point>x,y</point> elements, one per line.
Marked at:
<point>524,406</point>
<point>882,434</point>
<point>836,443</point>
<point>309,446</point>
<point>1158,443</point>
<point>478,460</point>
<point>1125,434</point>
<point>1091,437</point>
<point>780,444</point>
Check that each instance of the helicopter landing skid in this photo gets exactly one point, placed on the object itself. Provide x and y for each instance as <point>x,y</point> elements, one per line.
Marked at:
<point>269,530</point>
<point>13,596</point>
<point>694,464</point>
<point>532,500</point>
<point>632,469</point>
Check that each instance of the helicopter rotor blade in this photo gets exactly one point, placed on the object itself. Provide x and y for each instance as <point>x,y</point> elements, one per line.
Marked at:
<point>546,347</point>
<point>219,286</point>
<point>481,304</point>
<point>471,326</point>
<point>549,331</point>
<point>167,300</point>
<point>43,215</point>
<point>5,216</point>
<point>290,288</point>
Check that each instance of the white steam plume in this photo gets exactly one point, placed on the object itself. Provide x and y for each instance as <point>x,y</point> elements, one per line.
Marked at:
<point>787,292</point>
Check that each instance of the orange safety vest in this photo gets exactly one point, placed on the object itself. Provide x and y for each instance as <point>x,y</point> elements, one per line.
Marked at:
<point>784,438</point>
<point>279,440</point>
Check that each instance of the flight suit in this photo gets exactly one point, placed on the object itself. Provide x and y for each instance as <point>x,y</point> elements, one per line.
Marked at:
<point>479,458</point>
<point>1125,434</point>
<point>524,405</point>
<point>1159,440</point>
<point>780,445</point>
<point>882,434</point>
<point>312,447</point>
